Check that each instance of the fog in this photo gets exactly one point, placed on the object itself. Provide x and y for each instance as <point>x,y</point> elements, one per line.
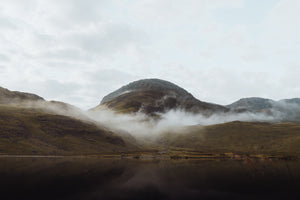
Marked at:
<point>140,125</point>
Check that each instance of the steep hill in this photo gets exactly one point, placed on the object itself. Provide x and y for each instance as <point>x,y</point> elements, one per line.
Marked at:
<point>154,95</point>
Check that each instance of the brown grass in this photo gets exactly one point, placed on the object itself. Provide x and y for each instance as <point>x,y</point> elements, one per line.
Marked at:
<point>238,137</point>
<point>31,131</point>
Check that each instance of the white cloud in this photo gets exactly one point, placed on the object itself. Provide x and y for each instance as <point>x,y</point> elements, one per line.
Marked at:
<point>87,48</point>
<point>282,23</point>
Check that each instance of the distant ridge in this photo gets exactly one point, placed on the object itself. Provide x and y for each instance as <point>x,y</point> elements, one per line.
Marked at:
<point>252,103</point>
<point>285,109</point>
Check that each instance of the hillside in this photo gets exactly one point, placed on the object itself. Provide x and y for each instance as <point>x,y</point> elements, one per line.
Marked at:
<point>31,125</point>
<point>154,95</point>
<point>32,131</point>
<point>8,97</point>
<point>33,101</point>
<point>237,137</point>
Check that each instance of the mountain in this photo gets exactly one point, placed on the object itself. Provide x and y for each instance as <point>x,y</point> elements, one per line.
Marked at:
<point>155,96</point>
<point>152,96</point>
<point>294,101</point>
<point>283,110</point>
<point>31,125</point>
<point>29,100</point>
<point>8,97</point>
<point>252,104</point>
<point>31,131</point>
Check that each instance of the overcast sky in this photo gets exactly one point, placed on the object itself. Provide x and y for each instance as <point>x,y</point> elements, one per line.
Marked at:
<point>77,51</point>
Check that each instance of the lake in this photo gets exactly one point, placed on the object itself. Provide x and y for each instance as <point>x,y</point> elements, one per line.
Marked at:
<point>98,178</point>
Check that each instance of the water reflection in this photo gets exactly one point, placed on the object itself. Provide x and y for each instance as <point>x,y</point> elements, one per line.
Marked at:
<point>93,178</point>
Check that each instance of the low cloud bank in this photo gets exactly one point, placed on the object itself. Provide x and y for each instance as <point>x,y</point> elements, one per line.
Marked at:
<point>139,124</point>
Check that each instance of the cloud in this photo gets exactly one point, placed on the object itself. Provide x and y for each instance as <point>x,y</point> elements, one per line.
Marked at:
<point>104,40</point>
<point>65,54</point>
<point>184,42</point>
<point>6,23</point>
<point>140,125</point>
<point>4,58</point>
<point>282,24</point>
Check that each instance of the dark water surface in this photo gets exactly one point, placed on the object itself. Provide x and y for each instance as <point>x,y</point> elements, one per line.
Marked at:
<point>94,178</point>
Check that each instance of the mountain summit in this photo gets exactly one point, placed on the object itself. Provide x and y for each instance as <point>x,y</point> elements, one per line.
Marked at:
<point>148,84</point>
<point>156,96</point>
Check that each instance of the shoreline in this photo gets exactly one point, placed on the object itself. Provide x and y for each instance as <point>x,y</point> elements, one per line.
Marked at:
<point>171,156</point>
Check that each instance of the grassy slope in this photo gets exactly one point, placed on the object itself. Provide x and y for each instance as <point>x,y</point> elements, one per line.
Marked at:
<point>238,137</point>
<point>7,96</point>
<point>32,131</point>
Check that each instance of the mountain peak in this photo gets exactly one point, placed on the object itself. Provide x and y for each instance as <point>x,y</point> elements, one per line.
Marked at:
<point>156,96</point>
<point>147,84</point>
